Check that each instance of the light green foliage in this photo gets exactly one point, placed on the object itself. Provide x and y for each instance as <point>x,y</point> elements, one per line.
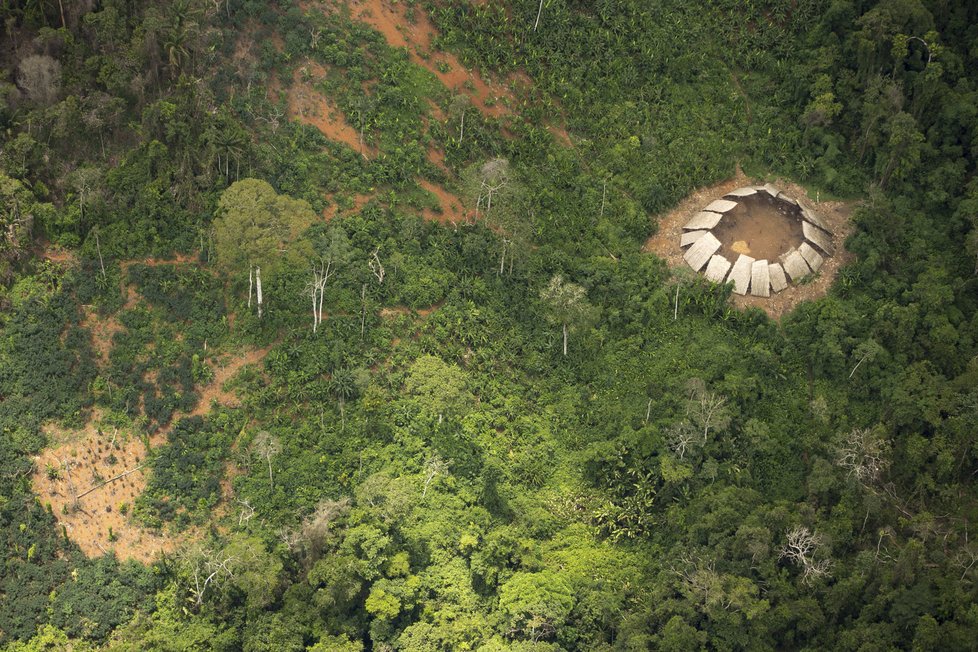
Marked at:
<point>535,605</point>
<point>49,637</point>
<point>20,215</point>
<point>567,305</point>
<point>336,644</point>
<point>254,225</point>
<point>257,571</point>
<point>168,628</point>
<point>438,387</point>
<point>382,604</point>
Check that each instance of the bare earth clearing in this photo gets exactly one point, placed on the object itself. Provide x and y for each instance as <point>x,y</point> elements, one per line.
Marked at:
<point>760,227</point>
<point>86,458</point>
<point>77,461</point>
<point>414,32</point>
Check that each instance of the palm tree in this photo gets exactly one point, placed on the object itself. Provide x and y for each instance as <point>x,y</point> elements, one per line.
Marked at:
<point>228,141</point>
<point>179,34</point>
<point>343,386</point>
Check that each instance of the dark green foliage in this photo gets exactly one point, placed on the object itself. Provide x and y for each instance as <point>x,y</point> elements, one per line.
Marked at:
<point>185,294</point>
<point>101,596</point>
<point>187,471</point>
<point>149,368</point>
<point>45,359</point>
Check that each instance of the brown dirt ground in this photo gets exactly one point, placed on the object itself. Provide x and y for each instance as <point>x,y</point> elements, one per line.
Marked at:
<point>56,254</point>
<point>437,157</point>
<point>309,106</point>
<point>359,201</point>
<point>761,227</point>
<point>452,209</point>
<point>393,311</point>
<point>494,98</point>
<point>87,453</point>
<point>102,329</point>
<point>836,214</point>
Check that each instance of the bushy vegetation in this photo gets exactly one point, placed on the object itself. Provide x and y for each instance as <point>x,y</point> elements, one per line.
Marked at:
<point>520,433</point>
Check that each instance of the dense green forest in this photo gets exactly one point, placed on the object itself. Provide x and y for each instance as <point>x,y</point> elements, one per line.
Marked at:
<point>516,431</point>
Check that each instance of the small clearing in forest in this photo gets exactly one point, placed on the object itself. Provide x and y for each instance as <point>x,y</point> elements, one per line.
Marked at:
<point>452,209</point>
<point>112,462</point>
<point>333,210</point>
<point>665,243</point>
<point>760,227</point>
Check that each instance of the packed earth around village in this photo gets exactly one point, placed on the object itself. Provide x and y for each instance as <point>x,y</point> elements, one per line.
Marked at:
<point>509,326</point>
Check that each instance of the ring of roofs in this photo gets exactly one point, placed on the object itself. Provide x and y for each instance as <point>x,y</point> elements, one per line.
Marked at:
<point>759,277</point>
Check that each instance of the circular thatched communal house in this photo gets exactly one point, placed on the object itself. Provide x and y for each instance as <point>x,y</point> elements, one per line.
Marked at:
<point>757,238</point>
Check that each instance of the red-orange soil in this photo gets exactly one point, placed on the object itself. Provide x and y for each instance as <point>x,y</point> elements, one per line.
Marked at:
<point>306,104</point>
<point>390,19</point>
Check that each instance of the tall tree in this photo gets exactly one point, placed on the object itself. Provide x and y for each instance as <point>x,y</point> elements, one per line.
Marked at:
<point>254,227</point>
<point>487,184</point>
<point>331,249</point>
<point>438,386</point>
<point>567,305</point>
<point>267,446</point>
<point>19,212</point>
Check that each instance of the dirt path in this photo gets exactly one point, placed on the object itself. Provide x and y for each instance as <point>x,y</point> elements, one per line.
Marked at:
<point>78,460</point>
<point>393,311</point>
<point>452,209</point>
<point>665,243</point>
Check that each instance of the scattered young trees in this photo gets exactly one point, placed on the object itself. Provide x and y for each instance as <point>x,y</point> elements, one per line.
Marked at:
<point>553,466</point>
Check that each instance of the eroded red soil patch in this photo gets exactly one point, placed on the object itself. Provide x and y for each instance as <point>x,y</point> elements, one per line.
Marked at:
<point>452,209</point>
<point>391,20</point>
<point>308,105</point>
<point>437,157</point>
<point>359,201</point>
<point>58,255</point>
